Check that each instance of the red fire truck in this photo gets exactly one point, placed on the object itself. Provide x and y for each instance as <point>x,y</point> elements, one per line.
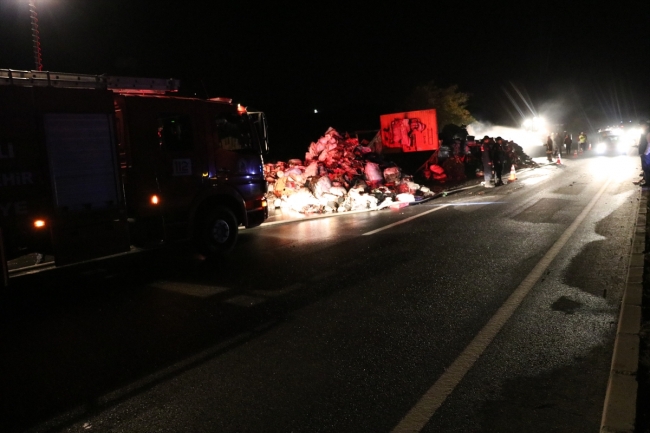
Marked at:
<point>93,165</point>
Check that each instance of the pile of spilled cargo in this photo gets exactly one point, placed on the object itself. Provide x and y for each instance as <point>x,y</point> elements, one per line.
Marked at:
<point>338,174</point>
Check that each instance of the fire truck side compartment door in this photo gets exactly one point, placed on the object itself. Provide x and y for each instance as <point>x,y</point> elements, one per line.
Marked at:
<point>85,185</point>
<point>82,161</point>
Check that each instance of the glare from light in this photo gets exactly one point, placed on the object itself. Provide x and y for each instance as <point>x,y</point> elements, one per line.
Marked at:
<point>315,111</point>
<point>535,124</point>
<point>622,146</point>
<point>601,148</point>
<point>534,180</point>
<point>598,166</point>
<point>633,132</point>
<point>526,138</point>
<point>154,199</point>
<point>317,230</point>
<point>39,224</point>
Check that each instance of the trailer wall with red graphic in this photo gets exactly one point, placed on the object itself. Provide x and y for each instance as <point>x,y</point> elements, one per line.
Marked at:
<point>411,131</point>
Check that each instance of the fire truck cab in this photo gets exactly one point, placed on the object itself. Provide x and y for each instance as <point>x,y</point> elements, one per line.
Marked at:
<point>91,165</point>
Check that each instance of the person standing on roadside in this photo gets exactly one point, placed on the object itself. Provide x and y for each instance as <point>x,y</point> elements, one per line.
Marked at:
<point>567,142</point>
<point>557,143</point>
<point>549,148</point>
<point>497,156</point>
<point>582,142</point>
<point>644,149</point>
<point>486,146</point>
<point>508,155</point>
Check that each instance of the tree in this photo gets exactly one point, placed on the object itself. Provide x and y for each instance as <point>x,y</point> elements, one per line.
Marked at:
<point>449,102</point>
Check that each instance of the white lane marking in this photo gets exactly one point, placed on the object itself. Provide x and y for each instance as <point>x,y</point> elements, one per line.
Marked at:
<point>421,413</point>
<point>245,300</point>
<point>198,290</point>
<point>405,220</point>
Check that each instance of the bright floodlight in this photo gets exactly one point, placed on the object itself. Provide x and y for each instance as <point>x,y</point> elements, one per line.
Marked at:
<point>528,123</point>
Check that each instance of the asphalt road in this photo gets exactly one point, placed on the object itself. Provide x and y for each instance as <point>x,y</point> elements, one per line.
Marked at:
<point>491,310</point>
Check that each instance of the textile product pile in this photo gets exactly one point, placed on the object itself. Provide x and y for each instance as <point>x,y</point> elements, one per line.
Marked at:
<point>339,175</point>
<point>462,160</point>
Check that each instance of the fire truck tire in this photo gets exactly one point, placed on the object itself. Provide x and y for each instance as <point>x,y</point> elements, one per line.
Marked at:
<point>217,232</point>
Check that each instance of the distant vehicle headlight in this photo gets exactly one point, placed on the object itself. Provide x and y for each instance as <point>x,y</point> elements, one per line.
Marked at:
<point>601,148</point>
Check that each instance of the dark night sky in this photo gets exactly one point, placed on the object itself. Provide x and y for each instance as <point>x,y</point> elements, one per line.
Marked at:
<point>576,64</point>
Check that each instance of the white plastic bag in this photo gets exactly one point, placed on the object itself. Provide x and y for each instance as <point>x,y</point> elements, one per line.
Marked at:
<point>373,174</point>
<point>405,198</point>
<point>338,191</point>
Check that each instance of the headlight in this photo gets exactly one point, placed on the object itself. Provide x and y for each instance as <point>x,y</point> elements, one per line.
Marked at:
<point>601,148</point>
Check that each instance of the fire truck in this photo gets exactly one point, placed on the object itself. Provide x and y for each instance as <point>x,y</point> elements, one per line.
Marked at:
<point>92,166</point>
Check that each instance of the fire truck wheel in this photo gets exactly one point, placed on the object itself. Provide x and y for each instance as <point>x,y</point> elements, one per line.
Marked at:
<point>217,232</point>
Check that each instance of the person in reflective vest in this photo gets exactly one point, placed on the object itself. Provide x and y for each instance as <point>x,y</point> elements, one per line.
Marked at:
<point>582,142</point>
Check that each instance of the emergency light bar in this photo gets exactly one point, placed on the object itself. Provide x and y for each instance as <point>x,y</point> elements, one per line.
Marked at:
<point>80,81</point>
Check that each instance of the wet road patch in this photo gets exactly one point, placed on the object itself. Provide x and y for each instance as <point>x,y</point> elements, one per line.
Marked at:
<point>565,305</point>
<point>542,402</point>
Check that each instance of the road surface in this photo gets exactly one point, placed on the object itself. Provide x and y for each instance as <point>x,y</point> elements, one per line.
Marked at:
<point>490,310</point>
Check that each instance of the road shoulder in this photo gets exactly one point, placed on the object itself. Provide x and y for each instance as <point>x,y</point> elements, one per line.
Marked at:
<point>623,388</point>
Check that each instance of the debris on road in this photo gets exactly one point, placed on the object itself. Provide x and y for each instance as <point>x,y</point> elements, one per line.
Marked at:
<point>339,174</point>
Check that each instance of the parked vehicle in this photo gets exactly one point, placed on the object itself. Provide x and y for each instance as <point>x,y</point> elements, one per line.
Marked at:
<point>616,140</point>
<point>91,165</point>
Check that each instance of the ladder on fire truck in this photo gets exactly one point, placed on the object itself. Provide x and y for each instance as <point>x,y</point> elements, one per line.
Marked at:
<point>80,81</point>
